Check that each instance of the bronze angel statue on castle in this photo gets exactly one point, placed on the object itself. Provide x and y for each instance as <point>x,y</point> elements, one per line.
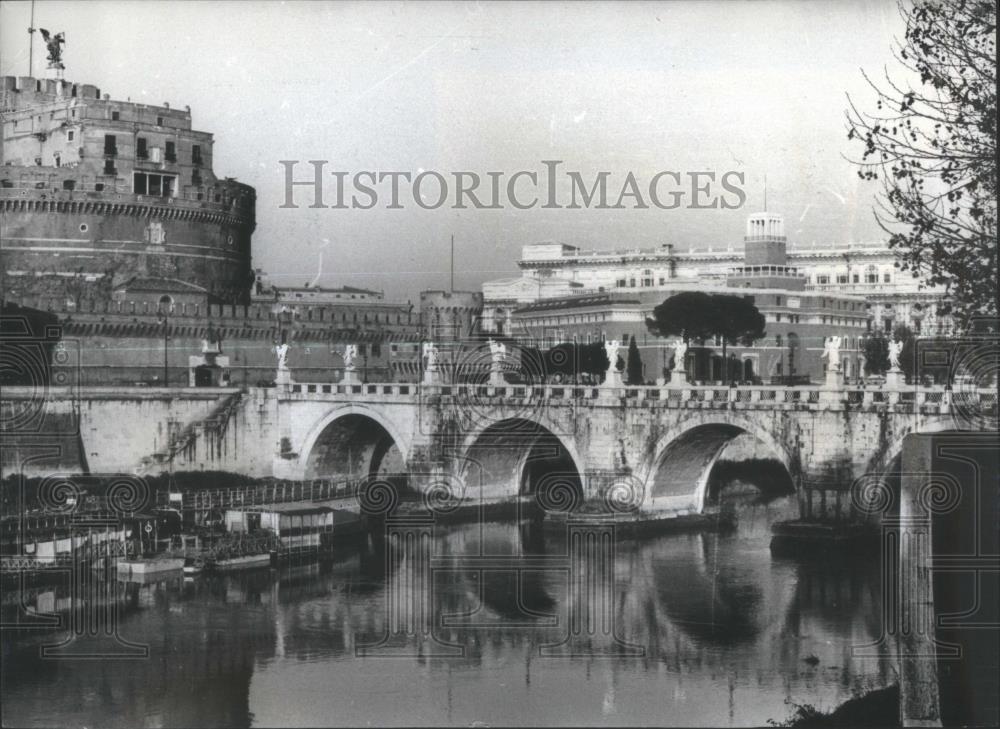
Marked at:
<point>54,43</point>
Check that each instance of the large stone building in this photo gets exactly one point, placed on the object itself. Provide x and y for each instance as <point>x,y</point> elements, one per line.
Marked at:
<point>95,192</point>
<point>798,318</point>
<point>868,270</point>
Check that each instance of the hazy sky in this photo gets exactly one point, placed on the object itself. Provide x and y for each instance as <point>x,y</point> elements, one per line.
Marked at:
<point>757,87</point>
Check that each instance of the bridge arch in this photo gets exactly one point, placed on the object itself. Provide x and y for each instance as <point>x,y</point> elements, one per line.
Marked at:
<point>522,456</point>
<point>353,441</point>
<point>676,477</point>
<point>887,460</point>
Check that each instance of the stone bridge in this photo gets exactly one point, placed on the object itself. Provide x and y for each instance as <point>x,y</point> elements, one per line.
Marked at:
<point>650,448</point>
<point>638,448</point>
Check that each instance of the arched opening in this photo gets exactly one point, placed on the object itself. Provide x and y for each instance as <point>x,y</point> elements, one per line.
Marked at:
<point>354,446</point>
<point>520,457</point>
<point>701,463</point>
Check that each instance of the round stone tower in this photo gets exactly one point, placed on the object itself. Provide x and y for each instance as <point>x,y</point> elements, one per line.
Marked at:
<point>95,192</point>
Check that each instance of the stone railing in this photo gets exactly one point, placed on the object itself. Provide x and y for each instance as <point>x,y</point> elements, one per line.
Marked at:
<point>741,396</point>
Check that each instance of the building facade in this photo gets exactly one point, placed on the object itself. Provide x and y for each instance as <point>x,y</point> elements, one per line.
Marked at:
<point>95,192</point>
<point>798,319</point>
<point>867,270</point>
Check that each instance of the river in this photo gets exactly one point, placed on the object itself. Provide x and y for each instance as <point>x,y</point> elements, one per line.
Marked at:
<point>493,623</point>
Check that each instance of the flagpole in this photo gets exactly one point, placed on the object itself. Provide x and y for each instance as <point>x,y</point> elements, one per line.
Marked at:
<point>31,41</point>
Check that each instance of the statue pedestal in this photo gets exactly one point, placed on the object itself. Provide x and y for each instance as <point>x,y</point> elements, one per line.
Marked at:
<point>678,378</point>
<point>496,378</point>
<point>283,377</point>
<point>895,379</point>
<point>833,388</point>
<point>613,380</point>
<point>350,377</point>
<point>432,377</point>
<point>834,379</point>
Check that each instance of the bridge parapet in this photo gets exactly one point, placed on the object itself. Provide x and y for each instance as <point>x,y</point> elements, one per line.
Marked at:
<point>931,400</point>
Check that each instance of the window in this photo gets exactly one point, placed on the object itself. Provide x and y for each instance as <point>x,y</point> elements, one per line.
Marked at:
<point>662,280</point>
<point>109,167</point>
<point>141,151</point>
<point>631,283</point>
<point>196,154</point>
<point>620,283</point>
<point>196,178</point>
<point>841,278</point>
<point>159,121</point>
<point>887,277</point>
<point>69,135</point>
<point>171,152</point>
<point>777,340</point>
<point>115,116</point>
<point>856,278</point>
<point>110,145</point>
<point>871,275</point>
<point>156,185</point>
<point>822,279</point>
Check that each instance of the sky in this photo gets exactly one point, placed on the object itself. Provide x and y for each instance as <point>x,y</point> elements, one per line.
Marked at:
<point>753,87</point>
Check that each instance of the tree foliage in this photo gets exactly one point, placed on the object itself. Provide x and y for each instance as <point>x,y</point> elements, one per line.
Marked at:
<point>931,145</point>
<point>697,316</point>
<point>567,359</point>
<point>633,365</point>
<point>876,352</point>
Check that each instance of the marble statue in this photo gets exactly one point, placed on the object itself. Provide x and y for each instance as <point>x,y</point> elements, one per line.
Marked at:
<point>680,350</point>
<point>831,351</point>
<point>430,352</point>
<point>895,349</point>
<point>350,352</point>
<point>282,351</point>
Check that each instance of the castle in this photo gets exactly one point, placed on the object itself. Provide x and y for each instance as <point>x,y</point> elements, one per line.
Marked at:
<point>97,192</point>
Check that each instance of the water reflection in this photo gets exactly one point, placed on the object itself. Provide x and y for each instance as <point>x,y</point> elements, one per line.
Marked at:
<point>500,623</point>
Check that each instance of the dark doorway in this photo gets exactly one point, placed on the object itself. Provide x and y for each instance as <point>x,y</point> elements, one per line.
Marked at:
<point>204,376</point>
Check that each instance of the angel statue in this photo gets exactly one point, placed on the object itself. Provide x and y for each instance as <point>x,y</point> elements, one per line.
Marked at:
<point>831,351</point>
<point>350,352</point>
<point>282,351</point>
<point>680,349</point>
<point>430,352</point>
<point>54,43</point>
<point>895,349</point>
